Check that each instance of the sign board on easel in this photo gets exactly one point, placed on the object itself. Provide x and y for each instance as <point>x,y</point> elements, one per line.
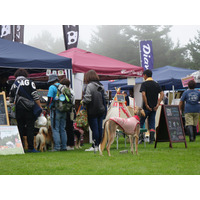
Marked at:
<point>4,119</point>
<point>170,128</point>
<point>10,142</point>
<point>186,80</point>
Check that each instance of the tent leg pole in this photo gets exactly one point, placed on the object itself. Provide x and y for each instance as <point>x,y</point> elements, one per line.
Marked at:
<point>173,92</point>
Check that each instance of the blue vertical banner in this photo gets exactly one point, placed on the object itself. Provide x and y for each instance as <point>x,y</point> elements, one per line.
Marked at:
<point>146,54</point>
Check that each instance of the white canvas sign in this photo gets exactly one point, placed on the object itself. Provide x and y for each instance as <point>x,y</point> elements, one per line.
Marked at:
<point>10,142</point>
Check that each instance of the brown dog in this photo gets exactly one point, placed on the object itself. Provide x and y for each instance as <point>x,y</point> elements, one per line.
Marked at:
<point>44,138</point>
<point>130,126</point>
<point>78,133</point>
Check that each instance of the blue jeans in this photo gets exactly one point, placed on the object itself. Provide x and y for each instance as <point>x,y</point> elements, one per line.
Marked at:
<point>59,132</point>
<point>151,119</point>
<point>96,127</point>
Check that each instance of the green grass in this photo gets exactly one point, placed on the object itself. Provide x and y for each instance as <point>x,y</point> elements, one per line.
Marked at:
<point>150,161</point>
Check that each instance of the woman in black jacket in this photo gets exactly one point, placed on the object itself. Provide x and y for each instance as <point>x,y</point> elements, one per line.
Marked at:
<point>95,98</point>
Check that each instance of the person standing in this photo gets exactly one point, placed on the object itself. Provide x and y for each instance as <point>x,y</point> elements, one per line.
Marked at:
<point>95,98</point>
<point>151,101</point>
<point>191,97</point>
<point>126,98</point>
<point>58,118</point>
<point>25,118</point>
<point>69,120</point>
<point>166,99</point>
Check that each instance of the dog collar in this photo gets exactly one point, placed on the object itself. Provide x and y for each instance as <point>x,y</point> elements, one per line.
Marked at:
<point>136,117</point>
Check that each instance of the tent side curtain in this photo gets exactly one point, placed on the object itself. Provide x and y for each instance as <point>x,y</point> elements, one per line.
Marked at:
<point>17,55</point>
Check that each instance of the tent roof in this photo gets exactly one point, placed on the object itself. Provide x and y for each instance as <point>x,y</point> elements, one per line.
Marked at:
<point>165,76</point>
<point>107,68</point>
<point>17,55</point>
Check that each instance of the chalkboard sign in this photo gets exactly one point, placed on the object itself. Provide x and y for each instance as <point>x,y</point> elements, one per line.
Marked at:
<point>170,126</point>
<point>4,119</point>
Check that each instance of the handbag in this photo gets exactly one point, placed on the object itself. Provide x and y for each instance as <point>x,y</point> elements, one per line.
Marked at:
<point>28,103</point>
<point>36,110</point>
<point>81,117</point>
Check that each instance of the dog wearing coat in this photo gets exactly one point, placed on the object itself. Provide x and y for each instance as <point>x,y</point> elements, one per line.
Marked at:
<point>130,126</point>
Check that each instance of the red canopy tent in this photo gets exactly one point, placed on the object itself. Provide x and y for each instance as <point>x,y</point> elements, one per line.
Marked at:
<point>107,68</point>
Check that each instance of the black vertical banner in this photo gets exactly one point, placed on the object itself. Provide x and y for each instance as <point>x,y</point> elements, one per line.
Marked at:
<point>71,35</point>
<point>19,33</point>
<point>6,32</point>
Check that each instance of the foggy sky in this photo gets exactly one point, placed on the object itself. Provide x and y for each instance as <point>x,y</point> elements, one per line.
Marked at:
<point>178,32</point>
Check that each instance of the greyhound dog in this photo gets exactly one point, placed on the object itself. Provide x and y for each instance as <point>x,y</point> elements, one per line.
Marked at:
<point>130,126</point>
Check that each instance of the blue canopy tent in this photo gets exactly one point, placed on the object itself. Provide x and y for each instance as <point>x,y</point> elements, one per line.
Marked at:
<point>14,55</point>
<point>167,77</point>
<point>17,55</point>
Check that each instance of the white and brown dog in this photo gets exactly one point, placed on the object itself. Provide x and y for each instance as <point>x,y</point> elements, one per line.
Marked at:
<point>44,138</point>
<point>130,126</point>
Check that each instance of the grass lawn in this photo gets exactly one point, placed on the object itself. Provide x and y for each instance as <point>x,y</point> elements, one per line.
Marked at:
<point>150,161</point>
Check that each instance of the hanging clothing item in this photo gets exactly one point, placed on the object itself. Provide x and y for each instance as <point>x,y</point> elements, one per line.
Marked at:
<point>128,125</point>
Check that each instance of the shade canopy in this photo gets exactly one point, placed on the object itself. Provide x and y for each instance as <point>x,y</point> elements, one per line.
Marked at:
<point>17,55</point>
<point>107,68</point>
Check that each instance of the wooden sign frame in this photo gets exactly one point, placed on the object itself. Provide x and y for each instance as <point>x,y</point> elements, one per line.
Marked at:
<point>6,109</point>
<point>169,124</point>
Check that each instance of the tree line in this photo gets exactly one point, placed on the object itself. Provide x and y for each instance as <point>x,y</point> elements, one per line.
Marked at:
<point>121,42</point>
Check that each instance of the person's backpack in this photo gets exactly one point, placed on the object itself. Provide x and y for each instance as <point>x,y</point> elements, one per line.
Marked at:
<point>63,100</point>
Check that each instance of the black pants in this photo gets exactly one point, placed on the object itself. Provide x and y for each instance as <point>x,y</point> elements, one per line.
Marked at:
<point>25,123</point>
<point>70,131</point>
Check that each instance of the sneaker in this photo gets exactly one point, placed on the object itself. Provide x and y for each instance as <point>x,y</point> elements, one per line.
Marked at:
<point>70,148</point>
<point>33,151</point>
<point>63,150</point>
<point>96,148</point>
<point>90,149</point>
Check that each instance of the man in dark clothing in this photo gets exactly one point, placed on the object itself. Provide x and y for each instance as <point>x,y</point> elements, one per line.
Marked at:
<point>150,91</point>
<point>166,99</point>
<point>126,97</point>
<point>25,118</point>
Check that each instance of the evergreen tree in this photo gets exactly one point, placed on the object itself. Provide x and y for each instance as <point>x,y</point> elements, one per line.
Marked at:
<point>111,41</point>
<point>162,44</point>
<point>194,52</point>
<point>122,43</point>
<point>47,42</point>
